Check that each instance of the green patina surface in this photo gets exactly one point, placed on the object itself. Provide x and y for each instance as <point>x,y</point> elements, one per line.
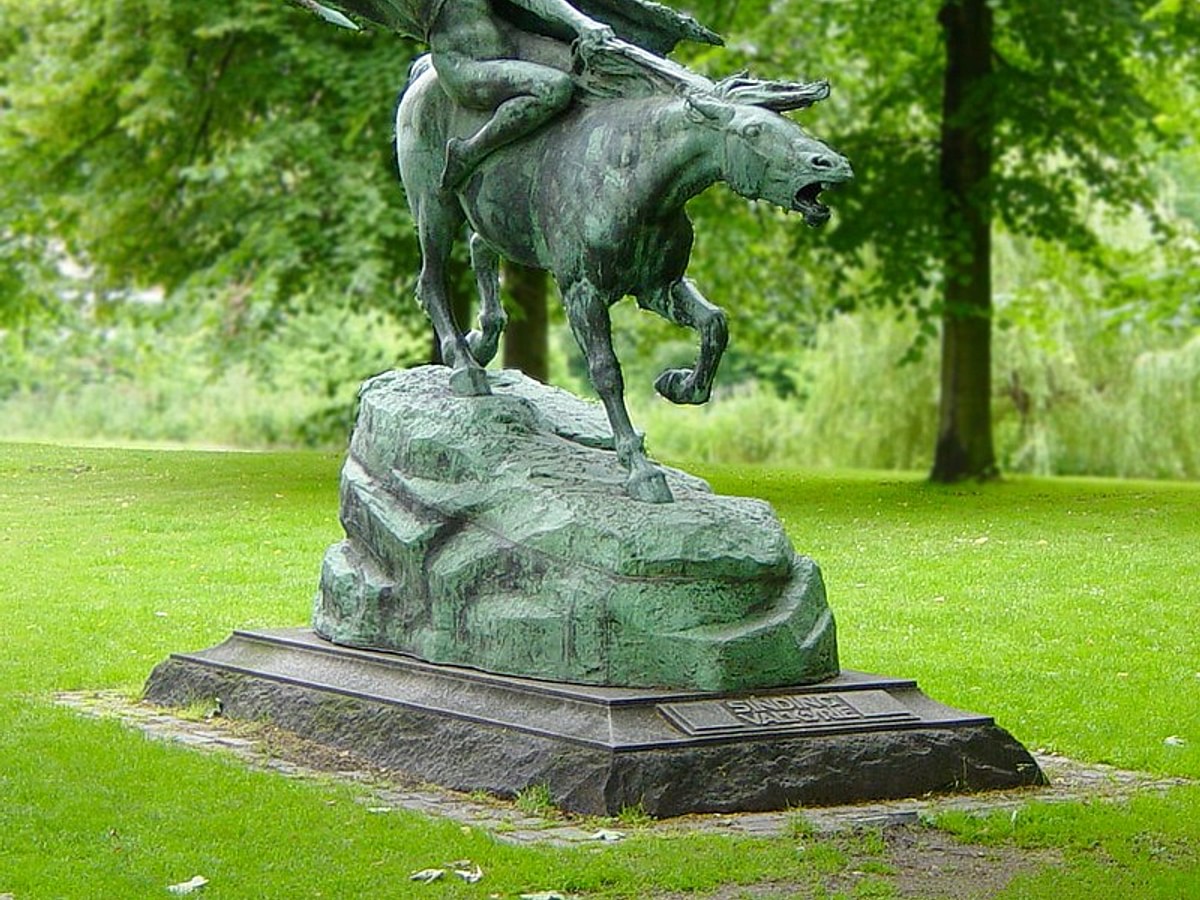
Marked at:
<point>558,134</point>
<point>597,198</point>
<point>495,532</point>
<point>500,526</point>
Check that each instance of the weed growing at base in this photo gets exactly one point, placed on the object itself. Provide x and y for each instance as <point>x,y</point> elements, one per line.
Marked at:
<point>536,800</point>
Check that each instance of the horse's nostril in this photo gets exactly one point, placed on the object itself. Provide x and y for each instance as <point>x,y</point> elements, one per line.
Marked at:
<point>823,162</point>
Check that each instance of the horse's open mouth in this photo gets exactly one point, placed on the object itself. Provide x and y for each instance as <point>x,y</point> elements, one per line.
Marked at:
<point>815,212</point>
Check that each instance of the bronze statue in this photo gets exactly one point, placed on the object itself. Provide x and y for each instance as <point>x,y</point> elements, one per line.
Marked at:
<point>588,180</point>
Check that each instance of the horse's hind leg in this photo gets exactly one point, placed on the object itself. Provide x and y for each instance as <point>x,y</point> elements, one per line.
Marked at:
<point>436,226</point>
<point>682,304</point>
<point>485,341</point>
<point>587,312</point>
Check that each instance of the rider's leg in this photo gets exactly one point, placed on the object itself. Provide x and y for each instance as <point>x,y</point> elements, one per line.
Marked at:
<point>522,94</point>
<point>682,304</point>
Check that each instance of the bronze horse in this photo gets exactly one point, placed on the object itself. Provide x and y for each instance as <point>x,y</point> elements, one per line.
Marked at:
<point>597,198</point>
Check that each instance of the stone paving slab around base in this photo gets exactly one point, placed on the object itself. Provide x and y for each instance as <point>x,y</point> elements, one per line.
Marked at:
<point>265,747</point>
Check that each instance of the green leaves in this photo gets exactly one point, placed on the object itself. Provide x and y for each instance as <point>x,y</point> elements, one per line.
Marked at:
<point>198,146</point>
<point>1084,100</point>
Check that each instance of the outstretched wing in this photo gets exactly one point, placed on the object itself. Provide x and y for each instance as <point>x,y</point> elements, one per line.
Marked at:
<point>332,16</point>
<point>408,17</point>
<point>647,24</point>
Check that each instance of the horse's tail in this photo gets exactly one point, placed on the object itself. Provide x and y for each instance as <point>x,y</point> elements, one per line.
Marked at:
<point>419,124</point>
<point>420,66</point>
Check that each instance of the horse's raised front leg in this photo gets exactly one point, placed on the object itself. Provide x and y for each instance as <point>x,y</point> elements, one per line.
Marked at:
<point>485,341</point>
<point>682,304</point>
<point>436,226</point>
<point>587,312</point>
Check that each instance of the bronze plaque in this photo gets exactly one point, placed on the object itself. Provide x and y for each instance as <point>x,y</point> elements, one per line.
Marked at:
<point>826,713</point>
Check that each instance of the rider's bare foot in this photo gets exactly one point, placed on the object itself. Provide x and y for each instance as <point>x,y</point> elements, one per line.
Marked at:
<point>458,164</point>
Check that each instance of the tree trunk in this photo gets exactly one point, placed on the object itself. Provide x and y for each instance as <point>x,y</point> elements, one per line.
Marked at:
<point>526,337</point>
<point>964,446</point>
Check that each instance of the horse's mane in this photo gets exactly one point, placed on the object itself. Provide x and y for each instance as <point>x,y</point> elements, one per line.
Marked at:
<point>625,70</point>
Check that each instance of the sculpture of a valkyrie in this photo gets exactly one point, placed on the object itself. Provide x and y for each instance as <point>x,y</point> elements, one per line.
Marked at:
<point>571,143</point>
<point>505,57</point>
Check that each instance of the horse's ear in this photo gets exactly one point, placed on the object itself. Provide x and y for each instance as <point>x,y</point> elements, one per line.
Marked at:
<point>707,108</point>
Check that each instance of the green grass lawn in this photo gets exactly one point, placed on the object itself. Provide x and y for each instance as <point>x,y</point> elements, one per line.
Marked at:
<point>1064,608</point>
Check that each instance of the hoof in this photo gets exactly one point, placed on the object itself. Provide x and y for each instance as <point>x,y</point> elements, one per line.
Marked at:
<point>649,486</point>
<point>483,349</point>
<point>676,386</point>
<point>469,381</point>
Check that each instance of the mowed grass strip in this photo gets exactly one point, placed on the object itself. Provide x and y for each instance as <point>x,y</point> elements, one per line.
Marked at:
<point>1064,608</point>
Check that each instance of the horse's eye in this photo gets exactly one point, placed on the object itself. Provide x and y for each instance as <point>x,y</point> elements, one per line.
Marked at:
<point>753,130</point>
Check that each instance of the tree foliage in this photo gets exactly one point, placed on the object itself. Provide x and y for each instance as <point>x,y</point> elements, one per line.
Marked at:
<point>1077,93</point>
<point>962,116</point>
<point>240,148</point>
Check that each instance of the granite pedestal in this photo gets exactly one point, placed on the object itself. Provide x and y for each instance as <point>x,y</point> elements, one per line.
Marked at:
<point>600,749</point>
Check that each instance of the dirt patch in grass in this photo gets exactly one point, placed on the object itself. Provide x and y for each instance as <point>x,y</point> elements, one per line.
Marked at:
<point>931,864</point>
<point>905,862</point>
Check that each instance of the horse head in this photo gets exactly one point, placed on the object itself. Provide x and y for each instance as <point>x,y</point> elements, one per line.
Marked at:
<point>769,157</point>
